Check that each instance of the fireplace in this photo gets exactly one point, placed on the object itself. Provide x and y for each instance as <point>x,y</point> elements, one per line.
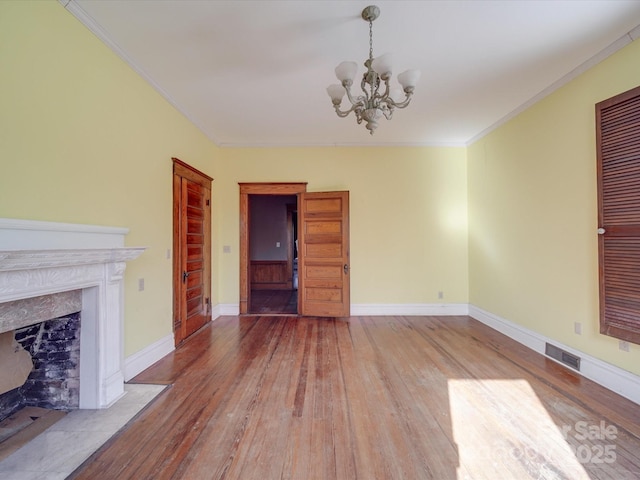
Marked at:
<point>43,260</point>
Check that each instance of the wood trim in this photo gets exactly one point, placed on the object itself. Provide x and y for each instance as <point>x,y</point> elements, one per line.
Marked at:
<point>291,211</point>
<point>247,189</point>
<point>270,275</point>
<point>191,173</point>
<point>245,286</point>
<point>177,255</point>
<point>272,188</point>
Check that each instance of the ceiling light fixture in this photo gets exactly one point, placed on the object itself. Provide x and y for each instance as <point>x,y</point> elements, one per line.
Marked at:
<point>370,106</point>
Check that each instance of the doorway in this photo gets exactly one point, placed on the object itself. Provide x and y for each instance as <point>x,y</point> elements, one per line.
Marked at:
<point>247,191</point>
<point>323,267</point>
<point>272,254</point>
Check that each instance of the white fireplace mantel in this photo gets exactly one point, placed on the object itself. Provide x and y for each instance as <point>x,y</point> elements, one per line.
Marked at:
<point>41,258</point>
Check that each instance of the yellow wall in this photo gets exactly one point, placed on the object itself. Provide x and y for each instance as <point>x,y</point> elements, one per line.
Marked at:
<point>407,215</point>
<point>533,213</point>
<point>83,139</point>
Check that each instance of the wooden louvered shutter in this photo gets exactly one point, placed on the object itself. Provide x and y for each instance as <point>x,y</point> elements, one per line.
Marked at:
<point>618,148</point>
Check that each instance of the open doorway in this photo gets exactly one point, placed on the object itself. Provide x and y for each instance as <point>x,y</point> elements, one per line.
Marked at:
<point>273,269</point>
<point>322,232</point>
<point>247,190</point>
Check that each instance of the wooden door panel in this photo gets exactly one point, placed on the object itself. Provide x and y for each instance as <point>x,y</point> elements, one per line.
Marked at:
<point>323,272</point>
<point>324,227</point>
<point>324,260</point>
<point>194,251</point>
<point>324,206</point>
<point>323,250</point>
<point>194,280</point>
<point>325,294</point>
<point>194,292</point>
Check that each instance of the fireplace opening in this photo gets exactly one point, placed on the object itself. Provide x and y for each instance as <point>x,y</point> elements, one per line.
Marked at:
<point>53,386</point>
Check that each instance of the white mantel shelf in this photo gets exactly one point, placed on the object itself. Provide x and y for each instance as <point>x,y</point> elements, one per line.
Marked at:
<point>11,260</point>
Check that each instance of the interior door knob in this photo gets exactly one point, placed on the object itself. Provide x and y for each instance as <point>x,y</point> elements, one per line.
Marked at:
<point>346,269</point>
<point>185,274</point>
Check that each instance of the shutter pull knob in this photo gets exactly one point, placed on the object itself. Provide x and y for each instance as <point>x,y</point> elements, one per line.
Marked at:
<point>601,231</point>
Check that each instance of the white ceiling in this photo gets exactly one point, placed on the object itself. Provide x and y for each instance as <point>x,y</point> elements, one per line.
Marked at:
<point>255,72</point>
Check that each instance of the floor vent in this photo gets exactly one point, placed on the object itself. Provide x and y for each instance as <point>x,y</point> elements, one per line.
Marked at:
<point>562,356</point>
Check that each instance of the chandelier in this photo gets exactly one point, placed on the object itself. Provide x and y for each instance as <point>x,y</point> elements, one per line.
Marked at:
<point>372,104</point>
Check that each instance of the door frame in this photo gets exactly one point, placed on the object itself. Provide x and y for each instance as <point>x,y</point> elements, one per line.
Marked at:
<point>246,189</point>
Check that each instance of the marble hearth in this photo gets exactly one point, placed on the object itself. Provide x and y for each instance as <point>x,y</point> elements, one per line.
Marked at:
<point>43,258</point>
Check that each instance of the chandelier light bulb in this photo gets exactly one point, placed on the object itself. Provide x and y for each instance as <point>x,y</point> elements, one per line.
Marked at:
<point>378,97</point>
<point>336,92</point>
<point>409,79</point>
<point>346,71</point>
<point>382,65</point>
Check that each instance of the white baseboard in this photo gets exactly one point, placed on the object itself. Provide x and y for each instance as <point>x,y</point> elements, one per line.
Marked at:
<point>225,309</point>
<point>609,376</point>
<point>374,309</point>
<point>409,309</point>
<point>146,357</point>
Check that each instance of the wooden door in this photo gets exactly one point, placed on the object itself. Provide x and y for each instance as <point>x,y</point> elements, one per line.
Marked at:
<point>323,269</point>
<point>192,250</point>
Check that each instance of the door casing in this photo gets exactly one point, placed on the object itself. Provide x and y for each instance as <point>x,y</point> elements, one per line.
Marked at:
<point>247,189</point>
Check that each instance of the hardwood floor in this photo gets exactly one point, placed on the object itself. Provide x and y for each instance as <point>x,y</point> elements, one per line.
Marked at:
<point>274,301</point>
<point>369,398</point>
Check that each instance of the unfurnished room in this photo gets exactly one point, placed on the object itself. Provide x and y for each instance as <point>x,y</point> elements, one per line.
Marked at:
<point>319,240</point>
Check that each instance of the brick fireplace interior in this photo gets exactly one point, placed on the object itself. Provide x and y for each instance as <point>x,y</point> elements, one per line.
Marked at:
<point>48,352</point>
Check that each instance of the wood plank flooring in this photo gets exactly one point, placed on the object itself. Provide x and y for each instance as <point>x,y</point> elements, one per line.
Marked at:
<point>369,398</point>
<point>274,302</point>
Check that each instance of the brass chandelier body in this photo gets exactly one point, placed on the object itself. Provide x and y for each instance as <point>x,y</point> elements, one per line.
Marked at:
<point>372,104</point>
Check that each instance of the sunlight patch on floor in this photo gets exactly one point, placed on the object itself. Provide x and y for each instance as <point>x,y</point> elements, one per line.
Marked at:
<point>503,431</point>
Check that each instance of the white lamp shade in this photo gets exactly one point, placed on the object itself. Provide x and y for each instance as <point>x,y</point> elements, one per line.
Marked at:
<point>336,92</point>
<point>409,79</point>
<point>346,71</point>
<point>383,64</point>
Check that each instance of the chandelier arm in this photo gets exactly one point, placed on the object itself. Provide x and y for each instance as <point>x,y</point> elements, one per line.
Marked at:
<point>366,97</point>
<point>385,96</point>
<point>344,113</point>
<point>360,100</point>
<point>403,103</point>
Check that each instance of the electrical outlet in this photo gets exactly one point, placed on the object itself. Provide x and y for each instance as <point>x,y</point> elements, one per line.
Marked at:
<point>141,284</point>
<point>624,346</point>
<point>577,328</point>
<point>226,249</point>
<point>168,253</point>
<point>440,295</point>
<point>277,244</point>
